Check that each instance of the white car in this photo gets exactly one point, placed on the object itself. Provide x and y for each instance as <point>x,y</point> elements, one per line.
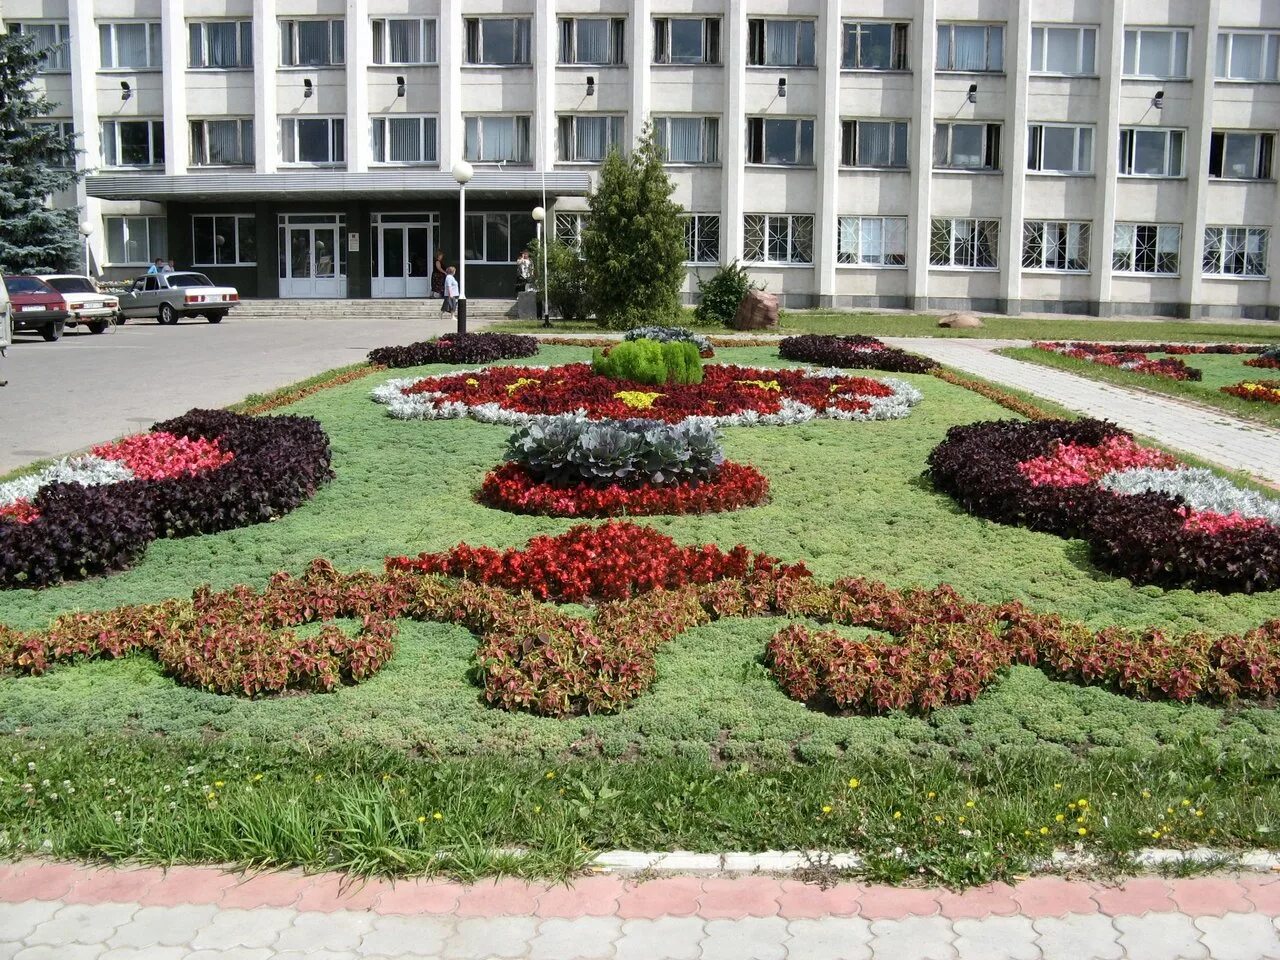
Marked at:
<point>182,293</point>
<point>6,319</point>
<point>85,302</point>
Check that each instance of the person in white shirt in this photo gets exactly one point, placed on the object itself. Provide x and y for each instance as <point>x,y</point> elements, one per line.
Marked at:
<point>451,292</point>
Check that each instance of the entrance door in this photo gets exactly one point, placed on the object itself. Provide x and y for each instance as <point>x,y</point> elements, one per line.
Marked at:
<point>404,247</point>
<point>312,261</point>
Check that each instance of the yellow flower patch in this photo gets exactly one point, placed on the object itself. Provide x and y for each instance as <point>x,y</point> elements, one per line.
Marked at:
<point>762,384</point>
<point>636,399</point>
<point>522,382</point>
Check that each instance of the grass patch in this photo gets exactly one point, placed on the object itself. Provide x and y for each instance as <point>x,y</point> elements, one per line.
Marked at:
<point>995,327</point>
<point>694,761</point>
<point>1220,370</point>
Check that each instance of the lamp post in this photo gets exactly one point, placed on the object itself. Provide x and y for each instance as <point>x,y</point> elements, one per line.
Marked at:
<point>540,217</point>
<point>86,228</point>
<point>462,172</point>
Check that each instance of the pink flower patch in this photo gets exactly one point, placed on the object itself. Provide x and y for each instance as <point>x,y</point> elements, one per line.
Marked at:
<point>1074,465</point>
<point>1207,521</point>
<point>20,511</point>
<point>163,456</point>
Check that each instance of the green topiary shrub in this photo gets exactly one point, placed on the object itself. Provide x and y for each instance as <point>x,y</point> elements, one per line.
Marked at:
<point>647,361</point>
<point>718,298</point>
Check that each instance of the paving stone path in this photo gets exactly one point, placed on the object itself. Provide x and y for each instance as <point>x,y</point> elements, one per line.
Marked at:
<point>71,912</point>
<point>1217,437</point>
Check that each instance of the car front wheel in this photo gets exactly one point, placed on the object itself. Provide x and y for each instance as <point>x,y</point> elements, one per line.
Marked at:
<point>167,314</point>
<point>52,331</point>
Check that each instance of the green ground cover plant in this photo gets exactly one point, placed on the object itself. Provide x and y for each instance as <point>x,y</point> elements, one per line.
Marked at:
<point>1220,370</point>
<point>689,764</point>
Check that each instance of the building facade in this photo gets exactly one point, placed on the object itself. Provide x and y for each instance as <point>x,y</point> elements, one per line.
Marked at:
<point>1091,156</point>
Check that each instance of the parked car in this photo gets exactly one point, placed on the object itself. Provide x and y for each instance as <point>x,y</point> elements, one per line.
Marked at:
<point>36,306</point>
<point>6,321</point>
<point>85,302</point>
<point>170,296</point>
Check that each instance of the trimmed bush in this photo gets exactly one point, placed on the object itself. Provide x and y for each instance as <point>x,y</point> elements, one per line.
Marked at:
<point>457,348</point>
<point>719,297</point>
<point>647,361</point>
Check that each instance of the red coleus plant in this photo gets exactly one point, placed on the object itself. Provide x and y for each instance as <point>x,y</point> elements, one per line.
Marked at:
<point>512,488</point>
<point>1075,464</point>
<point>725,390</point>
<point>162,456</point>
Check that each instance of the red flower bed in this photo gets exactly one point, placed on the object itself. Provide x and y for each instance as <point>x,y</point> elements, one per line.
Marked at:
<point>1075,464</point>
<point>162,456</point>
<point>726,390</point>
<point>1132,358</point>
<point>1263,391</point>
<point>511,487</point>
<point>1264,363</point>
<point>20,511</point>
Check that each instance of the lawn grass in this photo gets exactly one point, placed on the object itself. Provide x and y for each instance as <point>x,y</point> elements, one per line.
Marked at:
<point>994,327</point>
<point>694,760</point>
<point>1220,370</point>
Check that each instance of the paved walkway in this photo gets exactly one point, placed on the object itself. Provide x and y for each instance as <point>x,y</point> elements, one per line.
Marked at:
<point>78,913</point>
<point>1210,435</point>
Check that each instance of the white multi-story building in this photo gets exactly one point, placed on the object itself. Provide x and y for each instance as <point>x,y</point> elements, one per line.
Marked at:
<point>1095,156</point>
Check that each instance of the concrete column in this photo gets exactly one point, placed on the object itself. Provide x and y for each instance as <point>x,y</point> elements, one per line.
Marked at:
<point>924,53</point>
<point>544,79</point>
<point>1106,163</point>
<point>827,150</point>
<point>266,60</point>
<point>359,37</point>
<point>173,37</point>
<point>84,115</point>
<point>640,28</point>
<point>451,57</point>
<point>733,53</point>
<point>1017,34</point>
<point>1204,44</point>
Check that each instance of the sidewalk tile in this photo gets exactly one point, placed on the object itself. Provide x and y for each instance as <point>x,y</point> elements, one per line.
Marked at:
<point>752,938</point>
<point>17,920</point>
<point>188,885</point>
<point>580,938</point>
<point>340,930</point>
<point>411,897</point>
<point>163,926</point>
<point>243,928</point>
<point>743,897</point>
<point>265,890</point>
<point>667,896</point>
<point>90,923</point>
<point>1054,897</point>
<point>1264,893</point>
<point>406,936</point>
<point>1210,896</point>
<point>995,899</point>
<point>485,938</point>
<point>45,951</point>
<point>893,903</point>
<point>1240,936</point>
<point>495,898</point>
<point>38,880</point>
<point>915,938</point>
<point>995,938</point>
<point>1160,936</point>
<point>799,900</point>
<point>1134,897</point>
<point>110,885</point>
<point>831,938</point>
<point>667,938</point>
<point>328,892</point>
<point>146,953</point>
<point>1077,936</point>
<point>584,897</point>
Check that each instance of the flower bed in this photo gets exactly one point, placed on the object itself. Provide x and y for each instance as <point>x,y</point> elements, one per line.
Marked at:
<point>855,353</point>
<point>1143,515</point>
<point>457,348</point>
<point>1134,359</point>
<point>205,471</point>
<point>728,396</point>
<point>1263,391</point>
<point>672,335</point>
<point>732,486</point>
<point>1269,359</point>
<point>933,647</point>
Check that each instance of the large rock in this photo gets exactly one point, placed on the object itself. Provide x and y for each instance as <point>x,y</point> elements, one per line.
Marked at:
<point>525,307</point>
<point>960,321</point>
<point>757,311</point>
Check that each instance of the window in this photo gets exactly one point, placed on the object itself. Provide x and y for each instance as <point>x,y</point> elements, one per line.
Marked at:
<point>971,47</point>
<point>313,140</point>
<point>1248,56</point>
<point>404,41</point>
<point>312,43</point>
<point>224,240</point>
<point>53,38</point>
<point>66,129</point>
<point>1235,251</point>
<point>498,237</point>
<point>1070,51</point>
<point>1055,245</point>
<point>873,143</point>
<point>569,228</point>
<point>688,139</point>
<point>1241,156</point>
<point>780,140</point>
<point>222,143</point>
<point>130,46</point>
<point>1146,248</point>
<point>872,241</point>
<point>1059,148</point>
<point>1150,52</point>
<point>966,146</point>
<point>777,238</point>
<point>498,41</point>
<point>220,44</point>
<point>593,41</point>
<point>686,40</point>
<point>497,139</point>
<point>873,45</point>
<point>702,238</point>
<point>132,143</point>
<point>1149,152</point>
<point>402,139</point>
<point>133,241</point>
<point>964,243</point>
<point>780,43</point>
<point>588,138</point>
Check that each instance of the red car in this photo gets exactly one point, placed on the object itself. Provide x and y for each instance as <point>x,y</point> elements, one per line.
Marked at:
<point>36,306</point>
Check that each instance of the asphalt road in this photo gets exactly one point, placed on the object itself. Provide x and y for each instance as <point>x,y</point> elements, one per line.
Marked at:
<point>84,389</point>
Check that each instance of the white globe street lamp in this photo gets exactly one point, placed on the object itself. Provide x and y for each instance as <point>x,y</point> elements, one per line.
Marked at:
<point>540,215</point>
<point>86,229</point>
<point>462,172</point>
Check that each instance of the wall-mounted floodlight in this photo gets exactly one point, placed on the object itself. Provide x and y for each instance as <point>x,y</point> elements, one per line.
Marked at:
<point>126,92</point>
<point>972,95</point>
<point>308,89</point>
<point>1158,100</point>
<point>782,88</point>
<point>591,86</point>
<point>400,87</point>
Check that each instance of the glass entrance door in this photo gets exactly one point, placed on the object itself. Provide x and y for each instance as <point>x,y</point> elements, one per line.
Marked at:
<point>404,247</point>
<point>313,257</point>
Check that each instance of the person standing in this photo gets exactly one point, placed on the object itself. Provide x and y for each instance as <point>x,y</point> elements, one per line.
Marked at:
<point>437,276</point>
<point>524,272</point>
<point>451,292</point>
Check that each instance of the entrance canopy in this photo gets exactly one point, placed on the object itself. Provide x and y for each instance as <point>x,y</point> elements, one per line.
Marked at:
<point>312,184</point>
